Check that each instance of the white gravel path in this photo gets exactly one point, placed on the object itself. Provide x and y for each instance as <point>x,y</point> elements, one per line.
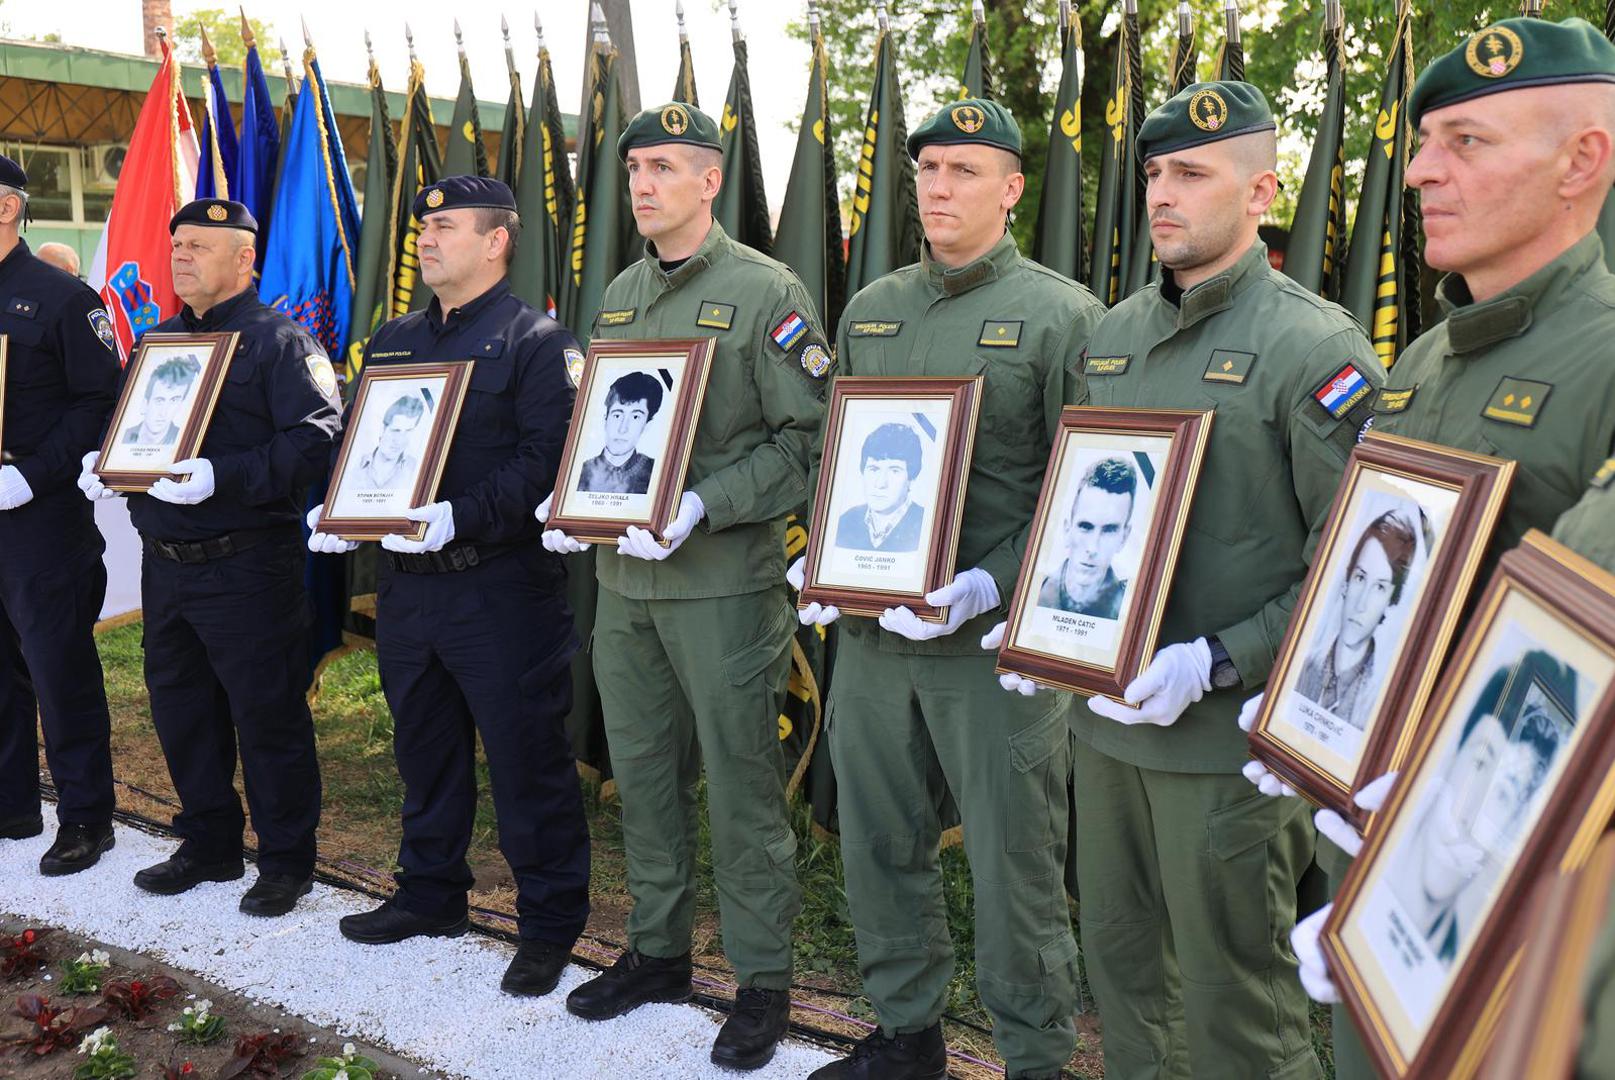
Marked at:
<point>435,1000</point>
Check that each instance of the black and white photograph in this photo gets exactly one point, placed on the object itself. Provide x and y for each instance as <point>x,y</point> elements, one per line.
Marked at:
<point>170,388</point>
<point>389,438</point>
<point>623,441</point>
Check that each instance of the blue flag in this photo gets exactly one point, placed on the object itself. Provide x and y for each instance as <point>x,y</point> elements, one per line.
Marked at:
<point>216,167</point>
<point>253,181</point>
<point>308,261</point>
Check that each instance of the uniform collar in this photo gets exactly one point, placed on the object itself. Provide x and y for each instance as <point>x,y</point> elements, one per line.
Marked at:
<point>713,248</point>
<point>1472,326</point>
<point>467,311</point>
<point>219,313</point>
<point>954,281</point>
<point>1215,293</point>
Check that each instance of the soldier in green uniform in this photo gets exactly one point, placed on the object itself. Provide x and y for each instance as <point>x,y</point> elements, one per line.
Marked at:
<point>1188,877</point>
<point>912,710</point>
<point>692,640</point>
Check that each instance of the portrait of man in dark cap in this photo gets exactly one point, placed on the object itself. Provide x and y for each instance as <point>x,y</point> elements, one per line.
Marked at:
<point>621,467</point>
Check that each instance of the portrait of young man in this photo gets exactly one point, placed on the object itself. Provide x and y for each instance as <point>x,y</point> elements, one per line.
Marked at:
<point>389,463</point>
<point>888,519</point>
<point>166,392</point>
<point>1096,528</point>
<point>620,467</point>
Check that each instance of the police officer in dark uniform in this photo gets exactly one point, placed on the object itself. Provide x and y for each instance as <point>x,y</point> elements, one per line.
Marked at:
<point>61,378</point>
<point>473,633</point>
<point>226,614</point>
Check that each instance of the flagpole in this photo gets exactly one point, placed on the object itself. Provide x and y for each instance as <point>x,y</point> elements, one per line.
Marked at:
<point>735,34</point>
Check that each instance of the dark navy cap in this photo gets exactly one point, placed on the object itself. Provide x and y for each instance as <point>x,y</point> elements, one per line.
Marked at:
<point>463,193</point>
<point>12,174</point>
<point>214,214</point>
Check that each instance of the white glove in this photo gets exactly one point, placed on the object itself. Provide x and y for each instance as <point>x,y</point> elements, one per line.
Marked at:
<point>1314,973</point>
<point>1341,831</point>
<point>88,482</point>
<point>187,492</point>
<point>966,596</point>
<point>992,641</point>
<point>641,543</point>
<point>554,539</point>
<point>1178,677</point>
<point>14,490</point>
<point>324,543</point>
<point>439,518</point>
<point>813,614</point>
<point>1255,771</point>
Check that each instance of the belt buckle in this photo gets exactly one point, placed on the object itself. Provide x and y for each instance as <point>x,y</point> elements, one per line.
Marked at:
<point>461,559</point>
<point>190,554</point>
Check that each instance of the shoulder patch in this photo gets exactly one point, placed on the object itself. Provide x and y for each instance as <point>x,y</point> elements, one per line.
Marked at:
<point>1000,335</point>
<point>715,316</point>
<point>1342,391</point>
<point>816,360</point>
<point>574,366</point>
<point>324,375</point>
<point>616,318</point>
<point>1394,401</point>
<point>1228,366</point>
<point>101,323</point>
<point>875,328</point>
<point>791,329</point>
<point>1517,401</point>
<point>1605,474</point>
<point>1107,365</point>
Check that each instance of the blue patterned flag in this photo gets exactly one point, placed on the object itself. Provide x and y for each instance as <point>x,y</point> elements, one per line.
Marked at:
<point>253,181</point>
<point>216,170</point>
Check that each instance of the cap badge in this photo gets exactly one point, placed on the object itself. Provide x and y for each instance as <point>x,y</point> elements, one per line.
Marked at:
<point>1494,52</point>
<point>434,198</point>
<point>217,213</point>
<point>675,121</point>
<point>969,119</point>
<point>1208,111</point>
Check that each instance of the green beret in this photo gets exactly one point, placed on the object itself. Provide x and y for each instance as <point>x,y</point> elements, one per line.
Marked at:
<point>214,214</point>
<point>973,120</point>
<point>674,122</point>
<point>1204,113</point>
<point>1512,55</point>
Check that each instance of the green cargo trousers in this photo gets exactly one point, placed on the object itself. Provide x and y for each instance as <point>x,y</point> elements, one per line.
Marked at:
<point>1188,896</point>
<point>903,729</point>
<point>684,682</point>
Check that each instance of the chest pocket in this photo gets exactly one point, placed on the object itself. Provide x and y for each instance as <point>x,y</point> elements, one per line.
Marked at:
<point>1011,408</point>
<point>1245,455</point>
<point>489,416</point>
<point>1552,474</point>
<point>19,322</point>
<point>242,417</point>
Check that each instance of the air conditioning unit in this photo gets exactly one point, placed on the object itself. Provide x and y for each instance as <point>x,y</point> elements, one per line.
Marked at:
<point>104,166</point>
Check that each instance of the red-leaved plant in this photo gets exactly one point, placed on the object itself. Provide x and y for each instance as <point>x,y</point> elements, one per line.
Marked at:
<point>50,1027</point>
<point>136,998</point>
<point>180,1071</point>
<point>18,953</point>
<point>260,1055</point>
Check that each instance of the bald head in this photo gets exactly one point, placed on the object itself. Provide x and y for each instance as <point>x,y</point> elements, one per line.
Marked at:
<point>60,256</point>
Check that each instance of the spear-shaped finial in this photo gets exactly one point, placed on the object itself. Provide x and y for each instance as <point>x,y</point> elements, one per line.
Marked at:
<point>308,39</point>
<point>210,56</point>
<point>734,20</point>
<point>538,27</point>
<point>286,65</point>
<point>978,12</point>
<point>248,40</point>
<point>369,51</point>
<point>409,36</point>
<point>1230,12</point>
<point>678,13</point>
<point>813,19</point>
<point>602,35</point>
<point>510,54</point>
<point>880,16</point>
<point>459,39</point>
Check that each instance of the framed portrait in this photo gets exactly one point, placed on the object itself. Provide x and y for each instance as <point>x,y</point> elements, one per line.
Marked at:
<point>1378,609</point>
<point>1542,1026</point>
<point>1511,778</point>
<point>1104,541</point>
<point>628,447</point>
<point>167,402</point>
<point>393,453</point>
<point>891,492</point>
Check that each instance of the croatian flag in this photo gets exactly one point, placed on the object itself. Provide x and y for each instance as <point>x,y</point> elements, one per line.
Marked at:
<point>790,331</point>
<point>1343,391</point>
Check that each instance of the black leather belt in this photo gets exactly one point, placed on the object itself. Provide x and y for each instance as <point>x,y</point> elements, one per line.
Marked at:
<point>218,547</point>
<point>451,559</point>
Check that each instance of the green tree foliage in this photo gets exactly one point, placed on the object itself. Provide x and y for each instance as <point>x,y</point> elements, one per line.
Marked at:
<point>224,31</point>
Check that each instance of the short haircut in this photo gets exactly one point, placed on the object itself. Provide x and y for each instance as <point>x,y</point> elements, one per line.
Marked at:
<point>1113,474</point>
<point>407,405</point>
<point>1395,538</point>
<point>636,386</point>
<point>179,371</point>
<point>893,442</point>
<point>489,218</point>
<point>7,189</point>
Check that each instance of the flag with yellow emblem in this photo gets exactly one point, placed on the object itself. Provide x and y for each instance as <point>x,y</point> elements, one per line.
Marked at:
<point>742,206</point>
<point>884,220</point>
<point>1058,242</point>
<point>1116,214</point>
<point>1318,232</point>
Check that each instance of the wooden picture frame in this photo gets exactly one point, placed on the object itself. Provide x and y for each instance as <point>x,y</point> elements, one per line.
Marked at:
<point>1404,539</point>
<point>885,528</point>
<point>1512,777</point>
<point>606,482</point>
<point>1116,494</point>
<point>172,384</point>
<point>399,432</point>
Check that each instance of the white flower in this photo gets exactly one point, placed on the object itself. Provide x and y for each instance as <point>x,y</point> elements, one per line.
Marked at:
<point>349,1050</point>
<point>341,1074</point>
<point>95,1040</point>
<point>83,958</point>
<point>177,1026</point>
<point>100,957</point>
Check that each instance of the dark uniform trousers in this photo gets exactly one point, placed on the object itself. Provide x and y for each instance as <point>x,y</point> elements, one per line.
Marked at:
<point>52,583</point>
<point>227,658</point>
<point>486,650</point>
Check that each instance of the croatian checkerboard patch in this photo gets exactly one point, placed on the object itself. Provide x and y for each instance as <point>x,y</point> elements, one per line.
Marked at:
<point>790,330</point>
<point>101,323</point>
<point>1343,390</point>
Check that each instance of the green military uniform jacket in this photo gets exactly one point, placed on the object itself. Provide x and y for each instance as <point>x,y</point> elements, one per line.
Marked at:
<point>760,423</point>
<point>1526,375</point>
<point>1588,528</point>
<point>1268,357</point>
<point>1016,324</point>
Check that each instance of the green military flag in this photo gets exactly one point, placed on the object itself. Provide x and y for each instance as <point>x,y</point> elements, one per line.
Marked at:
<point>978,78</point>
<point>465,155</point>
<point>1185,51</point>
<point>1380,283</point>
<point>684,89</point>
<point>885,222</point>
<point>1318,233</point>
<point>1058,242</point>
<point>1231,57</point>
<point>742,207</point>
<point>1116,214</point>
<point>515,129</point>
<point>809,238</point>
<point>370,287</point>
<point>603,234</point>
<point>1144,267</point>
<point>543,195</point>
<point>418,166</point>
